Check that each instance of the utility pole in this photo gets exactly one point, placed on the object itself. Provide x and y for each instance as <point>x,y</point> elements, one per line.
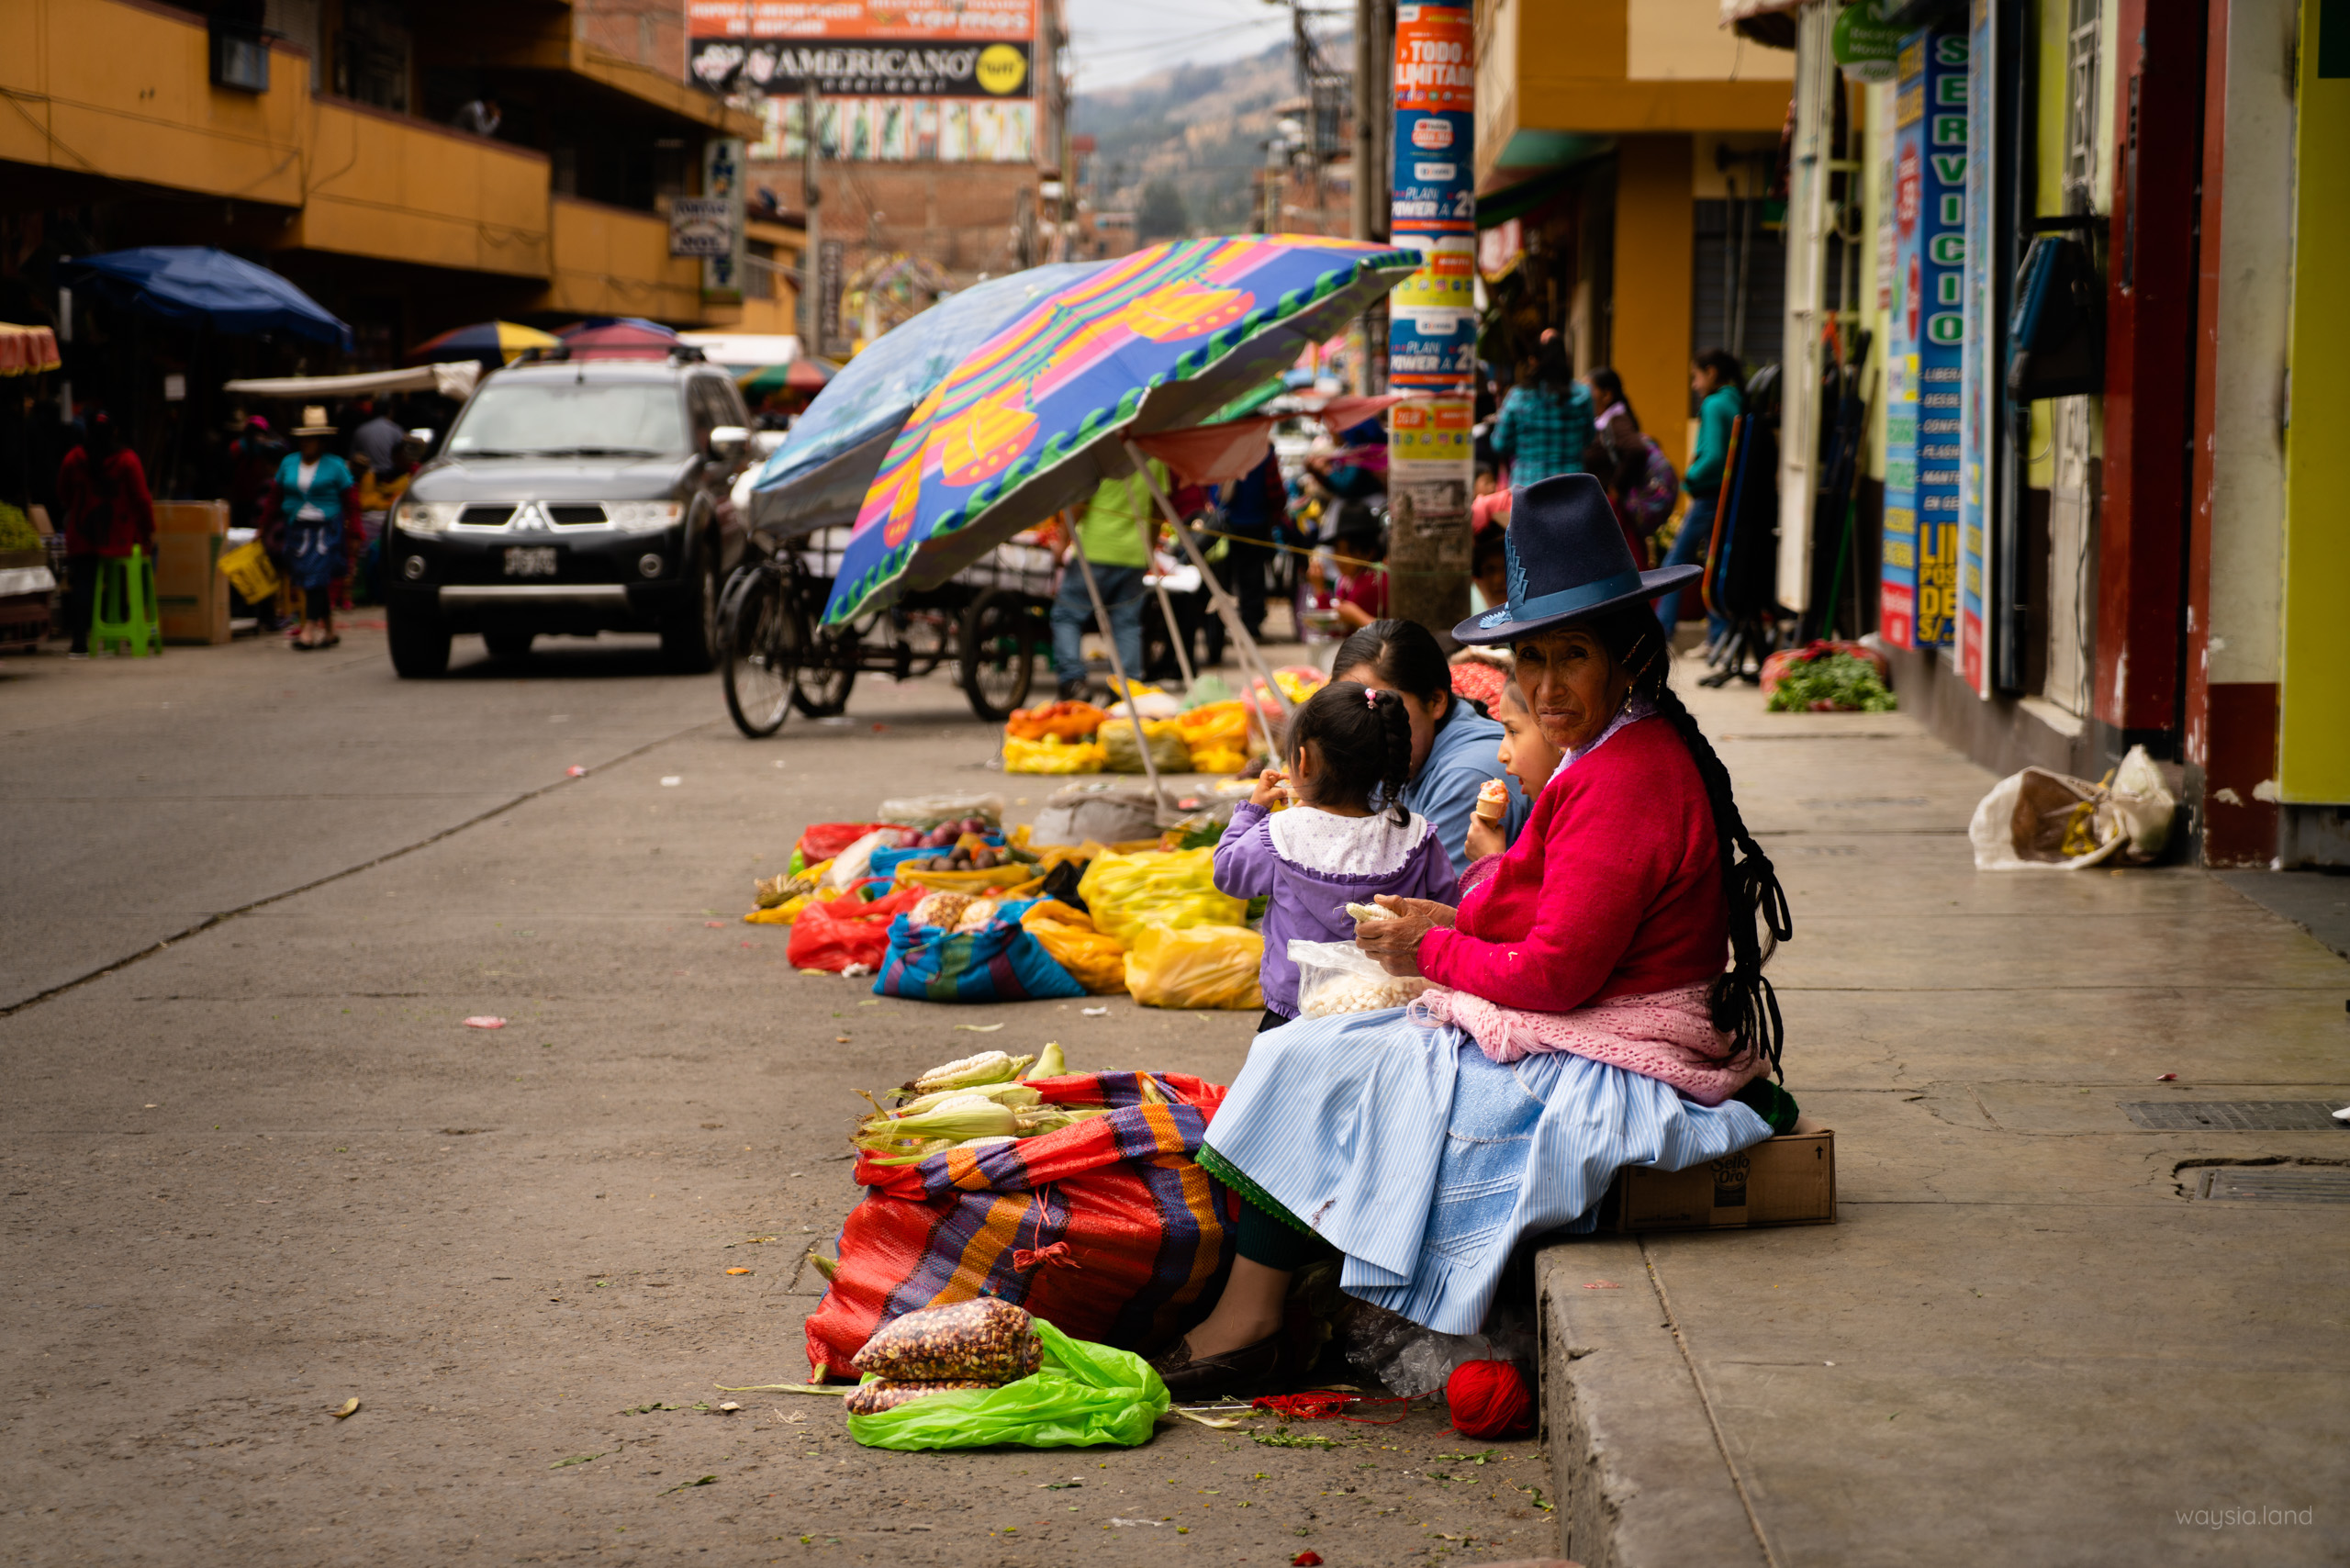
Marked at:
<point>812,259</point>
<point>1367,190</point>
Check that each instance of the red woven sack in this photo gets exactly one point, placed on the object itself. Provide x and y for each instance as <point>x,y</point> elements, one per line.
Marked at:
<point>1106,1230</point>
<point>835,934</point>
<point>821,841</point>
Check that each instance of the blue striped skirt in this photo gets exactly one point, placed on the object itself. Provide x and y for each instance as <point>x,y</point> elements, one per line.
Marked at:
<point>1424,1162</point>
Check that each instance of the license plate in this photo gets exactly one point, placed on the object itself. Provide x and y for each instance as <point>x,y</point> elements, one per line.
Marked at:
<point>531,561</point>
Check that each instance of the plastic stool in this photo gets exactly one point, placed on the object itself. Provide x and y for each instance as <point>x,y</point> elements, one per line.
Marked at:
<point>123,610</point>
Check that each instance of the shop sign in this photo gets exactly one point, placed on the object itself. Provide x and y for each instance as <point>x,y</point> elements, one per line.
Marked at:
<point>1919,583</point>
<point>1980,391</point>
<point>699,226</point>
<point>1863,44</point>
<point>721,182</point>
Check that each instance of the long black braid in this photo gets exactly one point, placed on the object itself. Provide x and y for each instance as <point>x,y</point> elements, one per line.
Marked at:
<point>1744,1006</point>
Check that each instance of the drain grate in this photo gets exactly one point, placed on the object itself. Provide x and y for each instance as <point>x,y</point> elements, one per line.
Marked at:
<point>2234,1115</point>
<point>2275,1184</point>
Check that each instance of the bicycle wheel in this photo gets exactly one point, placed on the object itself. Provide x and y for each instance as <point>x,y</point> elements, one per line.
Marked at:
<point>827,671</point>
<point>765,635</point>
<point>998,653</point>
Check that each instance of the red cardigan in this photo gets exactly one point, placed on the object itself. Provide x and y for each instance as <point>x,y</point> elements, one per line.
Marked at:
<point>1613,888</point>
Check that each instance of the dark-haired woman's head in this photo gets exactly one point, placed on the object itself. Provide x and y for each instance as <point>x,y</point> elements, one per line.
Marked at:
<point>1553,365</point>
<point>1607,390</point>
<point>1347,743</point>
<point>1489,564</point>
<point>1713,369</point>
<point>1402,656</point>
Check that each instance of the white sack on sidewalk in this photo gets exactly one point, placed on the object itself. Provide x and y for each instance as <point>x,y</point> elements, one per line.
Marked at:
<point>2037,819</point>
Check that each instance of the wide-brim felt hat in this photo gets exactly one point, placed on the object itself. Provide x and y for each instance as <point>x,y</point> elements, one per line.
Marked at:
<point>314,422</point>
<point>1568,561</point>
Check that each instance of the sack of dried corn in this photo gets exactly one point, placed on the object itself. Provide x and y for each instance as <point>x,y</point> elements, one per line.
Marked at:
<point>1104,1226</point>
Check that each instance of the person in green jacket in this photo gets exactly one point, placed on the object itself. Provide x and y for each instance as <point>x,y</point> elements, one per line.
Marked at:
<point>1115,528</point>
<point>1719,381</point>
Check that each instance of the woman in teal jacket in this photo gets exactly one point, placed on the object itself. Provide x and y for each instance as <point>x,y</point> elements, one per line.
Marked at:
<point>310,503</point>
<point>1718,380</point>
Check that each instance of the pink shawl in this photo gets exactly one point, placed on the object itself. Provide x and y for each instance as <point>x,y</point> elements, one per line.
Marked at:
<point>1668,1035</point>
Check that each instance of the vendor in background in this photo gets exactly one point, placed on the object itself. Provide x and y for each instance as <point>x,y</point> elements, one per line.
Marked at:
<point>309,503</point>
<point>254,453</point>
<point>1111,531</point>
<point>1360,596</point>
<point>376,441</point>
<point>1254,506</point>
<point>103,489</point>
<point>379,491</point>
<point>1489,564</point>
<point>1545,421</point>
<point>1719,381</point>
<point>1454,748</point>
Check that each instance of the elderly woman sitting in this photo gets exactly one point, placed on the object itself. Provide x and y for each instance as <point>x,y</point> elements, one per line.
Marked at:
<point>1597,1002</point>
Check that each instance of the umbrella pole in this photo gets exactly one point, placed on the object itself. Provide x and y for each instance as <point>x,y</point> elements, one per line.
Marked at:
<point>1118,667</point>
<point>1226,607</point>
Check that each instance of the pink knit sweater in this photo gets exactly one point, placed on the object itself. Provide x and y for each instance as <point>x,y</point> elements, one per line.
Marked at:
<point>1613,888</point>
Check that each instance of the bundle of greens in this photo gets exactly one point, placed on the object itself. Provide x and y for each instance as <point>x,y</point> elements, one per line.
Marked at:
<point>1835,682</point>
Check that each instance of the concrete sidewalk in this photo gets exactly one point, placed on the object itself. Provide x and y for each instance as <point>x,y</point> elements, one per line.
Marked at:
<point>2027,1339</point>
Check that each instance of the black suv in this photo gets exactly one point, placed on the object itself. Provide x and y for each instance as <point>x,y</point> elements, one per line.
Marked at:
<point>573,497</point>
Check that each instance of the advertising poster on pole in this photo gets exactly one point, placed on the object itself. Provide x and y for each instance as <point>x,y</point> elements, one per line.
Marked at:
<point>1432,316</point>
<point>1979,380</point>
<point>1918,591</point>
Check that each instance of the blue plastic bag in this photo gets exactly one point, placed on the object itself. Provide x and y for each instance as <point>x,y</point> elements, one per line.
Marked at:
<point>1001,961</point>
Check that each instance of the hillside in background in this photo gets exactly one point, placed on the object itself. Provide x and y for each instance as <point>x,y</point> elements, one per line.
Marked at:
<point>1194,132</point>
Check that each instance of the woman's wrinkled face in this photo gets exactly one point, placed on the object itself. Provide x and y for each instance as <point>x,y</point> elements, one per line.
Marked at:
<point>313,447</point>
<point>1573,685</point>
<point>1424,719</point>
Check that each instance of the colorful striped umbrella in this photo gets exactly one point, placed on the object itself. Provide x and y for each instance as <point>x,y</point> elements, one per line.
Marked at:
<point>1034,419</point>
<point>492,342</point>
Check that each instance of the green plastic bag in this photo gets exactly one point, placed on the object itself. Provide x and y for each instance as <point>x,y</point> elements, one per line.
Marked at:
<point>1086,1394</point>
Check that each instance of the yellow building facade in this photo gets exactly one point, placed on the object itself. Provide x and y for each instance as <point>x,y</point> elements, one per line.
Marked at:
<point>121,106</point>
<point>1649,118</point>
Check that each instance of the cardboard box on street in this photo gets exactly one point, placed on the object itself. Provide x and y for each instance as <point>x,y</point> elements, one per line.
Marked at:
<point>191,596</point>
<point>1787,1180</point>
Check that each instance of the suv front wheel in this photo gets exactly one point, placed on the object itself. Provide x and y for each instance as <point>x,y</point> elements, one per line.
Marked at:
<point>689,641</point>
<point>420,644</point>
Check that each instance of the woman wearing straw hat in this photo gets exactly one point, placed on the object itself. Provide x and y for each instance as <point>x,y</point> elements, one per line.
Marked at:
<point>312,496</point>
<point>1598,1002</point>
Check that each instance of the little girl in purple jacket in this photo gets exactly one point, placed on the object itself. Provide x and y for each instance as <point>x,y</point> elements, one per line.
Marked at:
<point>1330,849</point>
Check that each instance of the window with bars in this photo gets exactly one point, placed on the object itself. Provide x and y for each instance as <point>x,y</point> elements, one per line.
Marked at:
<point>2082,26</point>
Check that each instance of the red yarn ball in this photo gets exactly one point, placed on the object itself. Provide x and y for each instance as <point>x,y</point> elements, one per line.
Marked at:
<point>1489,1400</point>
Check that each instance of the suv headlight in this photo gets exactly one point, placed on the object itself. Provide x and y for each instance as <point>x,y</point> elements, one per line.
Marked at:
<point>427,517</point>
<point>643,516</point>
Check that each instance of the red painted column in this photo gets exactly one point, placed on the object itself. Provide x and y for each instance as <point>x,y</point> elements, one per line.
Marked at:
<point>2150,332</point>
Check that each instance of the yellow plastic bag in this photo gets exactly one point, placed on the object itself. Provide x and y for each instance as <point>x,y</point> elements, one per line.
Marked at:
<point>1204,966</point>
<point>248,571</point>
<point>1215,760</point>
<point>1169,750</point>
<point>1215,724</point>
<point>1157,887</point>
<point>1097,962</point>
<point>1051,756</point>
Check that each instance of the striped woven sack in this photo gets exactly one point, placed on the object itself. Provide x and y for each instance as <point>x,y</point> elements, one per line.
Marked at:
<point>1107,1229</point>
<point>1001,961</point>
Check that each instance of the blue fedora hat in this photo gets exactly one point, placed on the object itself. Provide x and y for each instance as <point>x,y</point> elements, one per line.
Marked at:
<point>1567,561</point>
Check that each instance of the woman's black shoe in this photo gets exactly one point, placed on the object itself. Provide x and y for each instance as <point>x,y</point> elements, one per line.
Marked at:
<point>1245,1371</point>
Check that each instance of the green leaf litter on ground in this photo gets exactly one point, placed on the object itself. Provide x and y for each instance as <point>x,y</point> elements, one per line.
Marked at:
<point>1292,1440</point>
<point>705,1481</point>
<point>1838,680</point>
<point>576,1459</point>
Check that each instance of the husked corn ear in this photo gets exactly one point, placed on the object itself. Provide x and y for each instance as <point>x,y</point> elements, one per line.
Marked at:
<point>989,1142</point>
<point>872,1398</point>
<point>987,1067</point>
<point>955,1119</point>
<point>1013,1094</point>
<point>987,1338</point>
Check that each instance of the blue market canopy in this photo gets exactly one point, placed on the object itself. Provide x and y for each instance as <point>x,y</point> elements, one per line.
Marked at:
<point>199,284</point>
<point>817,478</point>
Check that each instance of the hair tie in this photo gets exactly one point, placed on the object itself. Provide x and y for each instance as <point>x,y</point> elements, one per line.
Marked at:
<point>1370,697</point>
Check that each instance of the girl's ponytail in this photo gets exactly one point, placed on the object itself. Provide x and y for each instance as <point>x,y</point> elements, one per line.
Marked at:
<point>1395,724</point>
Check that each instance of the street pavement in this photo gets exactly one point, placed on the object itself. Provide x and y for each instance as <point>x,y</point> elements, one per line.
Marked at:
<point>256,1166</point>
